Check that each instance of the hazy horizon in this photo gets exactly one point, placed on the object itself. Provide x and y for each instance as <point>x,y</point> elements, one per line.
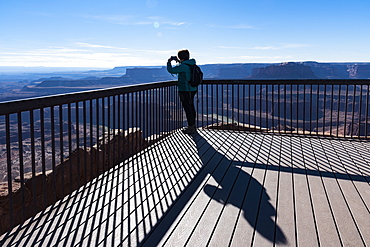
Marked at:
<point>47,69</point>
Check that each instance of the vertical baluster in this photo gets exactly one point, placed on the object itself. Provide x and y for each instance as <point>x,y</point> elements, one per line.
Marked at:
<point>249,104</point>
<point>239,92</point>
<point>77,136</point>
<point>160,113</point>
<point>148,113</point>
<point>217,101</point>
<point>243,97</point>
<point>115,130</point>
<point>223,103</point>
<point>137,110</point>
<point>338,106</point>
<point>255,105</point>
<point>145,113</point>
<point>141,113</point>
<point>331,109</point>
<point>272,111</point>
<point>297,108</point>
<point>151,112</point>
<point>124,111</point>
<point>91,116</point>
<point>213,99</point>
<point>104,140</point>
<point>208,103</point>
<point>107,129</point>
<point>177,103</point>
<point>267,99</point>
<point>311,107</point>
<point>21,167</point>
<point>279,86</point>
<point>85,139</point>
<point>171,102</point>
<point>53,151</point>
<point>119,127</point>
<point>157,112</point>
<point>285,107</point>
<point>43,165</point>
<point>367,110</point>
<point>346,111</point>
<point>98,145</point>
<point>9,170</point>
<point>360,112</point>
<point>291,107</point>
<point>353,110</point>
<point>166,108</point>
<point>110,115</point>
<point>69,115</point>
<point>33,159</point>
<point>178,107</point>
<point>304,109</point>
<point>317,108</point>
<point>61,150</point>
<point>324,115</point>
<point>232,104</point>
<point>164,115</point>
<point>260,105</point>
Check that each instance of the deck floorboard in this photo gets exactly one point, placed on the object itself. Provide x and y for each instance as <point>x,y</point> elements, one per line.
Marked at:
<point>218,188</point>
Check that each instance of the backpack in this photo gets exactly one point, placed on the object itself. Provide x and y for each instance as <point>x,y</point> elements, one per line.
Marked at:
<point>196,75</point>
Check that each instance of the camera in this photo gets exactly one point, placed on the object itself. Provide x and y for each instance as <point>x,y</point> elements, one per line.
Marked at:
<point>174,58</point>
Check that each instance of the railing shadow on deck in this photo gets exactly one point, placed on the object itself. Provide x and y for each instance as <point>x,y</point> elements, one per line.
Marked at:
<point>252,200</point>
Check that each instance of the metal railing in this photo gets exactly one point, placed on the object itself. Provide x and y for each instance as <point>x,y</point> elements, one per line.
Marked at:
<point>50,146</point>
<point>335,108</point>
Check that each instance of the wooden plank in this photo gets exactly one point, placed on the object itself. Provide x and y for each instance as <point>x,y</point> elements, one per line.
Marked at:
<point>285,211</point>
<point>149,199</point>
<point>168,227</point>
<point>305,220</point>
<point>184,231</point>
<point>359,152</point>
<point>354,193</point>
<point>355,153</point>
<point>169,194</point>
<point>133,178</point>
<point>222,231</point>
<point>347,229</point>
<point>326,227</point>
<point>266,226</point>
<point>217,192</point>
<point>247,218</point>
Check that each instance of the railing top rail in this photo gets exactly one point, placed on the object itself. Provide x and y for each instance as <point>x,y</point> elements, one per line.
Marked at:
<point>290,81</point>
<point>15,106</point>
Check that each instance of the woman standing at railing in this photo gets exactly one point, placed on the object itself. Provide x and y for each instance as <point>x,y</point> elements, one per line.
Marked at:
<point>186,91</point>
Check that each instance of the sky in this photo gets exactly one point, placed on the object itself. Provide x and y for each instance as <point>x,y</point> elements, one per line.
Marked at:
<point>112,33</point>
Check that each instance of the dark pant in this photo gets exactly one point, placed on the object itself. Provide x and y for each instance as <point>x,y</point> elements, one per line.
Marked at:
<point>187,101</point>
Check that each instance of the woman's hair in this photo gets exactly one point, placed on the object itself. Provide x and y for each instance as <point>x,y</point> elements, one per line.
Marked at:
<point>183,54</point>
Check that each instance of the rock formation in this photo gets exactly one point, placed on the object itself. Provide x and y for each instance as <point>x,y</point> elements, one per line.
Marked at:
<point>284,71</point>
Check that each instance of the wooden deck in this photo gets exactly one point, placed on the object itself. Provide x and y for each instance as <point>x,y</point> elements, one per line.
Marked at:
<point>218,188</point>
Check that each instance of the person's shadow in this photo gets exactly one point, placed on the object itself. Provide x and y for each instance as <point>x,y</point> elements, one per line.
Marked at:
<point>235,187</point>
<point>244,192</point>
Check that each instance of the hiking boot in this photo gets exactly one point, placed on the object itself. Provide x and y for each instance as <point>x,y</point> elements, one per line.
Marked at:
<point>190,129</point>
